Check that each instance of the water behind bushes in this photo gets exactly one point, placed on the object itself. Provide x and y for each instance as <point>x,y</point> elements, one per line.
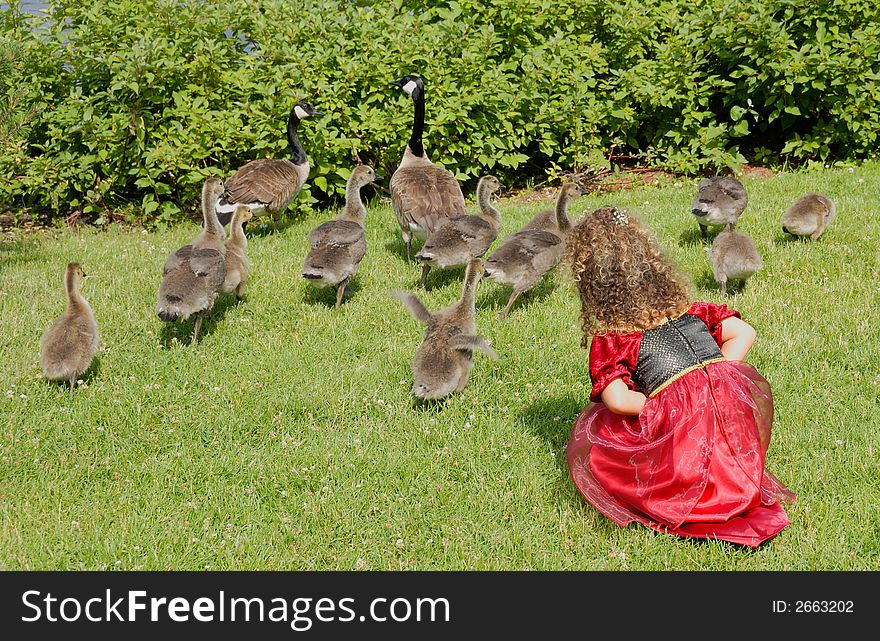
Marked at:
<point>27,6</point>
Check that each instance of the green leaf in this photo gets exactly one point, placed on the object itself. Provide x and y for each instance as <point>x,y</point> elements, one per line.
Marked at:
<point>737,112</point>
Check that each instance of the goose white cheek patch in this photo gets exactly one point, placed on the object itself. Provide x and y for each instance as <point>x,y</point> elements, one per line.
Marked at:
<point>410,87</point>
<point>300,112</point>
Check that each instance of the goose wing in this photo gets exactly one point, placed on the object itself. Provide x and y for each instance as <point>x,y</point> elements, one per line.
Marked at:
<point>422,196</point>
<point>414,306</point>
<point>177,258</point>
<point>271,182</point>
<point>457,229</point>
<point>471,342</point>
<point>531,241</point>
<point>209,264</point>
<point>336,232</point>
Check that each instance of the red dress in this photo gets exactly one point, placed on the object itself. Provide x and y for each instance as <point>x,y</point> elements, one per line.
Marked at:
<point>692,462</point>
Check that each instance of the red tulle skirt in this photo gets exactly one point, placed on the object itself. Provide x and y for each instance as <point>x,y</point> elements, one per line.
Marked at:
<point>691,464</point>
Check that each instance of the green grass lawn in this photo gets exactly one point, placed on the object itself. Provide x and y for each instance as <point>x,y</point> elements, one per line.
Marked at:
<point>288,438</point>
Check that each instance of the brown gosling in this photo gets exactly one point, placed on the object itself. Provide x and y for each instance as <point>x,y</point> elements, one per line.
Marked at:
<point>556,219</point>
<point>525,257</point>
<point>237,263</point>
<point>194,274</point>
<point>460,239</point>
<point>809,216</point>
<point>69,345</point>
<point>733,256</point>
<point>423,194</point>
<point>444,360</point>
<point>720,201</point>
<point>270,184</point>
<point>339,245</point>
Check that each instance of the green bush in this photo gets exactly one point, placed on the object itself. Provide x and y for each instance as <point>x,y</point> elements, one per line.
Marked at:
<point>134,103</point>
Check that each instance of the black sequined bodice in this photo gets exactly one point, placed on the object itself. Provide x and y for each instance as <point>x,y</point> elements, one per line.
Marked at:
<point>672,349</point>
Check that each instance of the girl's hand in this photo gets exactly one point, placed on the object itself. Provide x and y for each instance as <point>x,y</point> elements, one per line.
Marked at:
<point>620,399</point>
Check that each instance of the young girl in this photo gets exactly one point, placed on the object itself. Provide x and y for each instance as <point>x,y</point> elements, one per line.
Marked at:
<point>678,429</point>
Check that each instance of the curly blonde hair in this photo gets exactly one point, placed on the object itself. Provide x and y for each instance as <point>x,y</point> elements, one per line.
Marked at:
<point>625,282</point>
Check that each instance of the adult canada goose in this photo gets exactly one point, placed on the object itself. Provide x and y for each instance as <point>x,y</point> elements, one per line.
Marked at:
<point>339,245</point>
<point>194,274</point>
<point>69,345</point>
<point>720,200</point>
<point>525,257</point>
<point>460,239</point>
<point>422,193</point>
<point>444,360</point>
<point>237,263</point>
<point>270,184</point>
<point>808,216</point>
<point>733,256</point>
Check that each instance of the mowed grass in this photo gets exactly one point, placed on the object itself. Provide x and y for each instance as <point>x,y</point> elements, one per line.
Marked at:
<point>288,438</point>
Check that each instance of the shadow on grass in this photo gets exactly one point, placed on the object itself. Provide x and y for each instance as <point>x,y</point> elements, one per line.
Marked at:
<point>706,281</point>
<point>326,296</point>
<point>440,278</point>
<point>693,238</point>
<point>20,250</point>
<point>86,377</point>
<point>435,405</point>
<point>735,287</point>
<point>551,420</point>
<point>182,331</point>
<point>499,295</point>
<point>397,247</point>
<point>783,239</point>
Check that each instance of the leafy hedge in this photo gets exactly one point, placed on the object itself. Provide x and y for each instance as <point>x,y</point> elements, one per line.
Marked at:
<point>131,104</point>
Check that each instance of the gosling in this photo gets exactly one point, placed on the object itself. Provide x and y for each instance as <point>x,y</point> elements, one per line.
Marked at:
<point>720,201</point>
<point>556,220</point>
<point>237,263</point>
<point>525,257</point>
<point>733,256</point>
<point>194,274</point>
<point>339,245</point>
<point>444,360</point>
<point>460,239</point>
<point>809,216</point>
<point>69,345</point>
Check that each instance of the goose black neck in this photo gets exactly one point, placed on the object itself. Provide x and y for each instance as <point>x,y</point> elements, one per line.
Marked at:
<point>297,153</point>
<point>415,139</point>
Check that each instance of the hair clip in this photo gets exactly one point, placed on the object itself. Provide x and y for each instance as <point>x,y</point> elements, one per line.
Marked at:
<point>619,217</point>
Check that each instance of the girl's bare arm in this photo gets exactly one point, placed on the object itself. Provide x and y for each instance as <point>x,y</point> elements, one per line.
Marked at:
<point>737,338</point>
<point>620,399</point>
